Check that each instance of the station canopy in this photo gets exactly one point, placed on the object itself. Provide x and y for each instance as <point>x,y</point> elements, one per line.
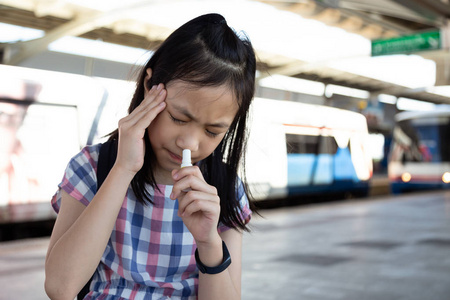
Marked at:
<point>326,41</point>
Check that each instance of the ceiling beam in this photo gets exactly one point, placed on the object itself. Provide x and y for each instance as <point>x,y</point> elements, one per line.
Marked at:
<point>15,53</point>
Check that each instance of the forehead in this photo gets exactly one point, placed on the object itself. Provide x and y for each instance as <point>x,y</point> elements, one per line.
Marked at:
<point>210,102</point>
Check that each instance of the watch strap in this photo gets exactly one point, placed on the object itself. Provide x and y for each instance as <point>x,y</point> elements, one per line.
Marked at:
<point>226,261</point>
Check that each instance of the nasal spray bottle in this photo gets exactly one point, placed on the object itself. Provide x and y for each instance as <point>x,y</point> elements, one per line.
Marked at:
<point>186,162</point>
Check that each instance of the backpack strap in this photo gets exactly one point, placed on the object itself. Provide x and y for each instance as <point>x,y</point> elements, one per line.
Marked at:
<point>106,159</point>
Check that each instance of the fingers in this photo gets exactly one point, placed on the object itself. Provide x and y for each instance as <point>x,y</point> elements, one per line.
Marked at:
<point>132,128</point>
<point>146,112</point>
<point>195,201</point>
<point>193,193</point>
<point>150,105</point>
<point>190,178</point>
<point>154,96</point>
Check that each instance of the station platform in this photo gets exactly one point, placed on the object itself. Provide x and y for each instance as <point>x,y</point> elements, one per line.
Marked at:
<point>385,247</point>
<point>381,248</point>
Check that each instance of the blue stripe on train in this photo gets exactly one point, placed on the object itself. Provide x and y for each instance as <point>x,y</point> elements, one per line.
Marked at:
<point>360,188</point>
<point>401,187</point>
<point>320,169</point>
<point>323,174</point>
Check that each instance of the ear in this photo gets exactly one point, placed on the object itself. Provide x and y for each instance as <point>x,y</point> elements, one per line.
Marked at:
<point>147,79</point>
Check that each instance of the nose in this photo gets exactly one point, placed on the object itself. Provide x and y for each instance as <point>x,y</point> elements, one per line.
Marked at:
<point>188,140</point>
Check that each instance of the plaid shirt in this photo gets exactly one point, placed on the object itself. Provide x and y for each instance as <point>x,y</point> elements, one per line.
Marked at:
<point>150,254</point>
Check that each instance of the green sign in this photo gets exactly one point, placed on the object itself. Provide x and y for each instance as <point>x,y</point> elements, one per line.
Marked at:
<point>430,40</point>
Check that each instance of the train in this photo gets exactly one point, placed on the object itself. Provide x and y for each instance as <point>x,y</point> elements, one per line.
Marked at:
<point>420,154</point>
<point>299,150</point>
<point>46,117</point>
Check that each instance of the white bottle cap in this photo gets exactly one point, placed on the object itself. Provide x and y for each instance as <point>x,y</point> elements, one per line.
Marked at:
<point>186,162</point>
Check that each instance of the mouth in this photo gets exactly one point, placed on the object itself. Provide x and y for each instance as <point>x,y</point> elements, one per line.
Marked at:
<point>176,158</point>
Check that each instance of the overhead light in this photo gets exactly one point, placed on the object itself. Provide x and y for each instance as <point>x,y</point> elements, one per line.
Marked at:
<point>77,46</point>
<point>389,99</point>
<point>101,50</point>
<point>443,90</point>
<point>295,85</point>
<point>345,91</point>
<point>12,33</point>
<point>411,71</point>
<point>416,105</point>
<point>107,5</point>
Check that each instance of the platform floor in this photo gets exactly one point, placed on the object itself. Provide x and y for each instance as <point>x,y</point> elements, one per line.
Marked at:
<point>389,248</point>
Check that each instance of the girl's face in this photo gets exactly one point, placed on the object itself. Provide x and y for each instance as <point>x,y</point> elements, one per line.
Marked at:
<point>194,118</point>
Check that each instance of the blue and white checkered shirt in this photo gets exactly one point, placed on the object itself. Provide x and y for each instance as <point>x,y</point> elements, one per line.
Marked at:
<point>150,254</point>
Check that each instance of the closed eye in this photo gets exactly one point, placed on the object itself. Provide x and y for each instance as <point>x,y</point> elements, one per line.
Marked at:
<point>211,134</point>
<point>178,121</point>
<point>181,122</point>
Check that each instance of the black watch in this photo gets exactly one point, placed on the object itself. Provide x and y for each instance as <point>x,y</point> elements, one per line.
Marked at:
<point>214,270</point>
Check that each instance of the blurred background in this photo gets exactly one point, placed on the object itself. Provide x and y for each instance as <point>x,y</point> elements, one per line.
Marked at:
<point>352,103</point>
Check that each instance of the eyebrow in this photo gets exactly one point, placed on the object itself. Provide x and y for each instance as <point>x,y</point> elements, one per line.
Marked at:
<point>185,112</point>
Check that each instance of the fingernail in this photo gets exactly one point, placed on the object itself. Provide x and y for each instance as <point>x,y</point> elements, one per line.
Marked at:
<point>162,104</point>
<point>159,86</point>
<point>175,176</point>
<point>171,195</point>
<point>162,92</point>
<point>153,87</point>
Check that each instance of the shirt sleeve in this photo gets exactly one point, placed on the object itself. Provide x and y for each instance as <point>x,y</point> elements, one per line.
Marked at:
<point>243,210</point>
<point>80,177</point>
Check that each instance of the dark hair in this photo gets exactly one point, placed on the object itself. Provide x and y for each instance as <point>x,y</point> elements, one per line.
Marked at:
<point>205,52</point>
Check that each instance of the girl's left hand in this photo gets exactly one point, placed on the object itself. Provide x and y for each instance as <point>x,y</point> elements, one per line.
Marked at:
<point>198,204</point>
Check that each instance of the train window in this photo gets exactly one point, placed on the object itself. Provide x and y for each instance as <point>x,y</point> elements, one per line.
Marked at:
<point>35,148</point>
<point>329,145</point>
<point>310,144</point>
<point>424,139</point>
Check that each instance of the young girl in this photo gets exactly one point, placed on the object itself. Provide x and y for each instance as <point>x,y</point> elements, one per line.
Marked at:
<point>152,225</point>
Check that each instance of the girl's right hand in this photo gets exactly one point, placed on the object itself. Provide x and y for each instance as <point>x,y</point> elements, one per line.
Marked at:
<point>132,128</point>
